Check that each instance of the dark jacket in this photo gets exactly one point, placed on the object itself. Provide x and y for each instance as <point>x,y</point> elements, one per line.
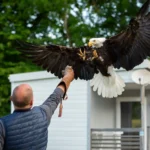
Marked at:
<point>28,129</point>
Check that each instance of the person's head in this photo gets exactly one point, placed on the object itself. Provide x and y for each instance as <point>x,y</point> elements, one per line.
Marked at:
<point>22,96</point>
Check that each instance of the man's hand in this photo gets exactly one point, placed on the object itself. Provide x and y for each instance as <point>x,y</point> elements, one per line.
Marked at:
<point>68,74</point>
<point>67,79</point>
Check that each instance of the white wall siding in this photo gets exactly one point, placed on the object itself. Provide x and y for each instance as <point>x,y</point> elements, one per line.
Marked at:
<point>70,131</point>
<point>102,112</point>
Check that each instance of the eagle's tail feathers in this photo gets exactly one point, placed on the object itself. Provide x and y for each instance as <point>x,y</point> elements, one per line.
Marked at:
<point>95,82</point>
<point>108,87</point>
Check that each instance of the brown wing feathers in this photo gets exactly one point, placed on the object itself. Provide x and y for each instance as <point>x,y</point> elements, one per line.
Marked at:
<point>55,58</point>
<point>49,57</point>
<point>132,45</point>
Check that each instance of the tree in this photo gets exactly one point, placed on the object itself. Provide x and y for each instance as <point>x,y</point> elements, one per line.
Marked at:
<point>71,22</point>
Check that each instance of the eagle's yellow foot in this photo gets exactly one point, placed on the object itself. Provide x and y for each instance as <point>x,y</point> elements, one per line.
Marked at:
<point>95,55</point>
<point>82,54</point>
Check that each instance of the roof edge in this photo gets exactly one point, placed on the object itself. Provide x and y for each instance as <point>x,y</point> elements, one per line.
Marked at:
<point>19,77</point>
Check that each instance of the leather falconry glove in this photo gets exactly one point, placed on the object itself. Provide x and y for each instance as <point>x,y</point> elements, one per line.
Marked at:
<point>66,80</point>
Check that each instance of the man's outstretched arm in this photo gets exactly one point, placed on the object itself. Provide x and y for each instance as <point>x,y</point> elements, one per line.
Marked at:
<point>59,93</point>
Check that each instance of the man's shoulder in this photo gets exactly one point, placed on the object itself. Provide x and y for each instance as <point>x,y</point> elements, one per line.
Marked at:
<point>39,110</point>
<point>4,117</point>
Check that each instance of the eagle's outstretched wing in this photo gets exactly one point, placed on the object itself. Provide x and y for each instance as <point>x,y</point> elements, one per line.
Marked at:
<point>132,46</point>
<point>54,58</point>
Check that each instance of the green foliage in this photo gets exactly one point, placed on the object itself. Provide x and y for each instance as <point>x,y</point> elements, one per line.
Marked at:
<point>67,22</point>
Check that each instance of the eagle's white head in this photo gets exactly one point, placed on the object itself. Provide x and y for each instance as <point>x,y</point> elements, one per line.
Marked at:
<point>96,42</point>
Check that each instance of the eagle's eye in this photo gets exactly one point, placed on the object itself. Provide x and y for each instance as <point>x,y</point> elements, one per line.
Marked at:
<point>94,40</point>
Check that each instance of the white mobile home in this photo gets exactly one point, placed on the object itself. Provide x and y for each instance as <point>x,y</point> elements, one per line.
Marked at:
<point>85,110</point>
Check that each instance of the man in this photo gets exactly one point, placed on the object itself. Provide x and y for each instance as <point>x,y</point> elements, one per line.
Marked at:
<point>27,128</point>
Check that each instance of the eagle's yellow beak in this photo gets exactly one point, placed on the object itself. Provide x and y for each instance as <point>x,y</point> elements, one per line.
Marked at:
<point>90,44</point>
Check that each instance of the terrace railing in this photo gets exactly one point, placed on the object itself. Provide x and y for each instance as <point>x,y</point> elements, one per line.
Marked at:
<point>116,139</point>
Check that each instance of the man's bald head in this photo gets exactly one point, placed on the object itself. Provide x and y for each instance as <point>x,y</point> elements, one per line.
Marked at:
<point>22,96</point>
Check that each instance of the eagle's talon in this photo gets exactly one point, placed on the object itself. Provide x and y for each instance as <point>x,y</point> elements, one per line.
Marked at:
<point>82,54</point>
<point>95,55</point>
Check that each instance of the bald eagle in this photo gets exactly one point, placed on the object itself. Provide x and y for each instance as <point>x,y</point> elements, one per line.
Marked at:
<point>126,49</point>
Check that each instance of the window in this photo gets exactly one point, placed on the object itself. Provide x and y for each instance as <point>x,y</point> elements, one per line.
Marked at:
<point>130,114</point>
